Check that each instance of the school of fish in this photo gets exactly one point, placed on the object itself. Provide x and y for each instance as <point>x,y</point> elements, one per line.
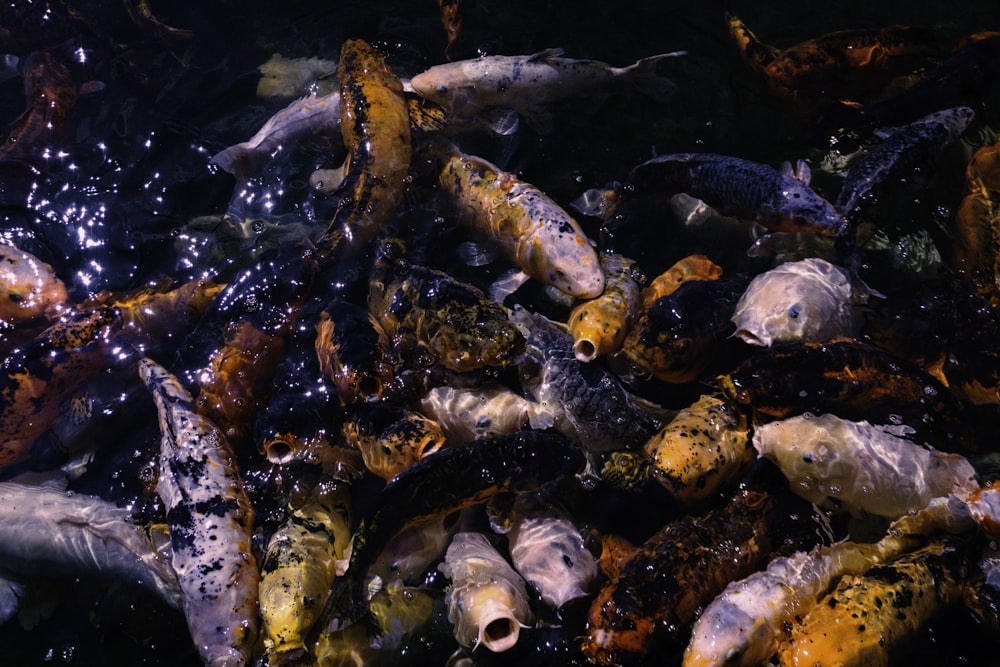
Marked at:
<point>457,419</point>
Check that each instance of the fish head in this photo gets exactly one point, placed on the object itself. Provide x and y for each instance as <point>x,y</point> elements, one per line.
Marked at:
<point>558,253</point>
<point>472,336</point>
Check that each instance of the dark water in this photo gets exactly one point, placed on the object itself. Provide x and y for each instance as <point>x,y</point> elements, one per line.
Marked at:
<point>130,193</point>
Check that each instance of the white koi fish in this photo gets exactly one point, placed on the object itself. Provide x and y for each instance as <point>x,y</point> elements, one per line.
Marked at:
<point>487,600</point>
<point>46,530</point>
<point>210,521</point>
<point>529,84</point>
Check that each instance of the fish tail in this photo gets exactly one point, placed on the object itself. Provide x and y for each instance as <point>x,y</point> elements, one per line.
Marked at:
<point>648,81</point>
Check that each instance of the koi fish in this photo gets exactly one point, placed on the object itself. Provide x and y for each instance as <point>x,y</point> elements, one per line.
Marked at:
<point>530,84</point>
<point>29,289</point>
<point>51,94</point>
<point>701,450</point>
<point>905,148</point>
<point>692,267</point>
<point>745,624</point>
<point>858,467</point>
<point>293,77</point>
<point>531,230</point>
<point>599,325</point>
<point>353,352</point>
<point>467,413</point>
<point>299,567</point>
<point>448,480</point>
<point>210,519</point>
<point>590,403</point>
<point>391,438</point>
<point>548,550</point>
<point>39,375</point>
<point>49,531</point>
<point>376,127</point>
<point>975,253</point>
<point>867,619</point>
<point>662,586</point>
<point>431,317</point>
<point>810,299</point>
<point>487,600</point>
<point>681,335</point>
<point>740,188</point>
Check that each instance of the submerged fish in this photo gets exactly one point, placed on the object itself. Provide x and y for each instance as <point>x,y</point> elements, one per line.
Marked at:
<point>548,550</point>
<point>467,413</point>
<point>531,229</point>
<point>210,519</point>
<point>487,600</point>
<point>745,624</point>
<point>740,188</point>
<point>46,531</point>
<point>391,438</point>
<point>858,467</point>
<point>701,450</point>
<point>810,299</point>
<point>661,587</point>
<point>599,325</point>
<point>905,148</point>
<point>38,375</point>
<point>589,403</point>
<point>867,619</point>
<point>448,480</point>
<point>976,251</point>
<point>29,289</point>
<point>431,317</point>
<point>299,567</point>
<point>376,126</point>
<point>529,84</point>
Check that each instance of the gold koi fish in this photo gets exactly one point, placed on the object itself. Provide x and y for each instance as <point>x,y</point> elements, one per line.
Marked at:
<point>532,230</point>
<point>29,288</point>
<point>375,123</point>
<point>599,325</point>
<point>210,519</point>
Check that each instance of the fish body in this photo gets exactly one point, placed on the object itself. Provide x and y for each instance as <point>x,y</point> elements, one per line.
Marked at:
<point>210,520</point>
<point>745,624</point>
<point>29,289</point>
<point>975,253</point>
<point>810,299</point>
<point>248,325</point>
<point>427,313</point>
<point>487,600</point>
<point>858,467</point>
<point>682,334</point>
<point>46,531</point>
<point>692,267</point>
<point>529,84</point>
<point>51,94</point>
<point>851,379</point>
<point>451,479</point>
<point>742,189</point>
<point>391,438</point>
<point>548,550</point>
<point>306,116</point>
<point>299,567</point>
<point>599,325</point>
<point>38,375</point>
<point>375,123</point>
<point>659,590</point>
<point>531,229</point>
<point>591,404</point>
<point>465,414</point>
<point>353,352</point>
<point>154,317</point>
<point>868,618</point>
<point>702,449</point>
<point>907,147</point>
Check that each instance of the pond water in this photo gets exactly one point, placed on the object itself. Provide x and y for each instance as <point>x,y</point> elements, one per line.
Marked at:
<point>126,195</point>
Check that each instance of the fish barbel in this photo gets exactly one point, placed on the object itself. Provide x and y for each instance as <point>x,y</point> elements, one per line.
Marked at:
<point>210,519</point>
